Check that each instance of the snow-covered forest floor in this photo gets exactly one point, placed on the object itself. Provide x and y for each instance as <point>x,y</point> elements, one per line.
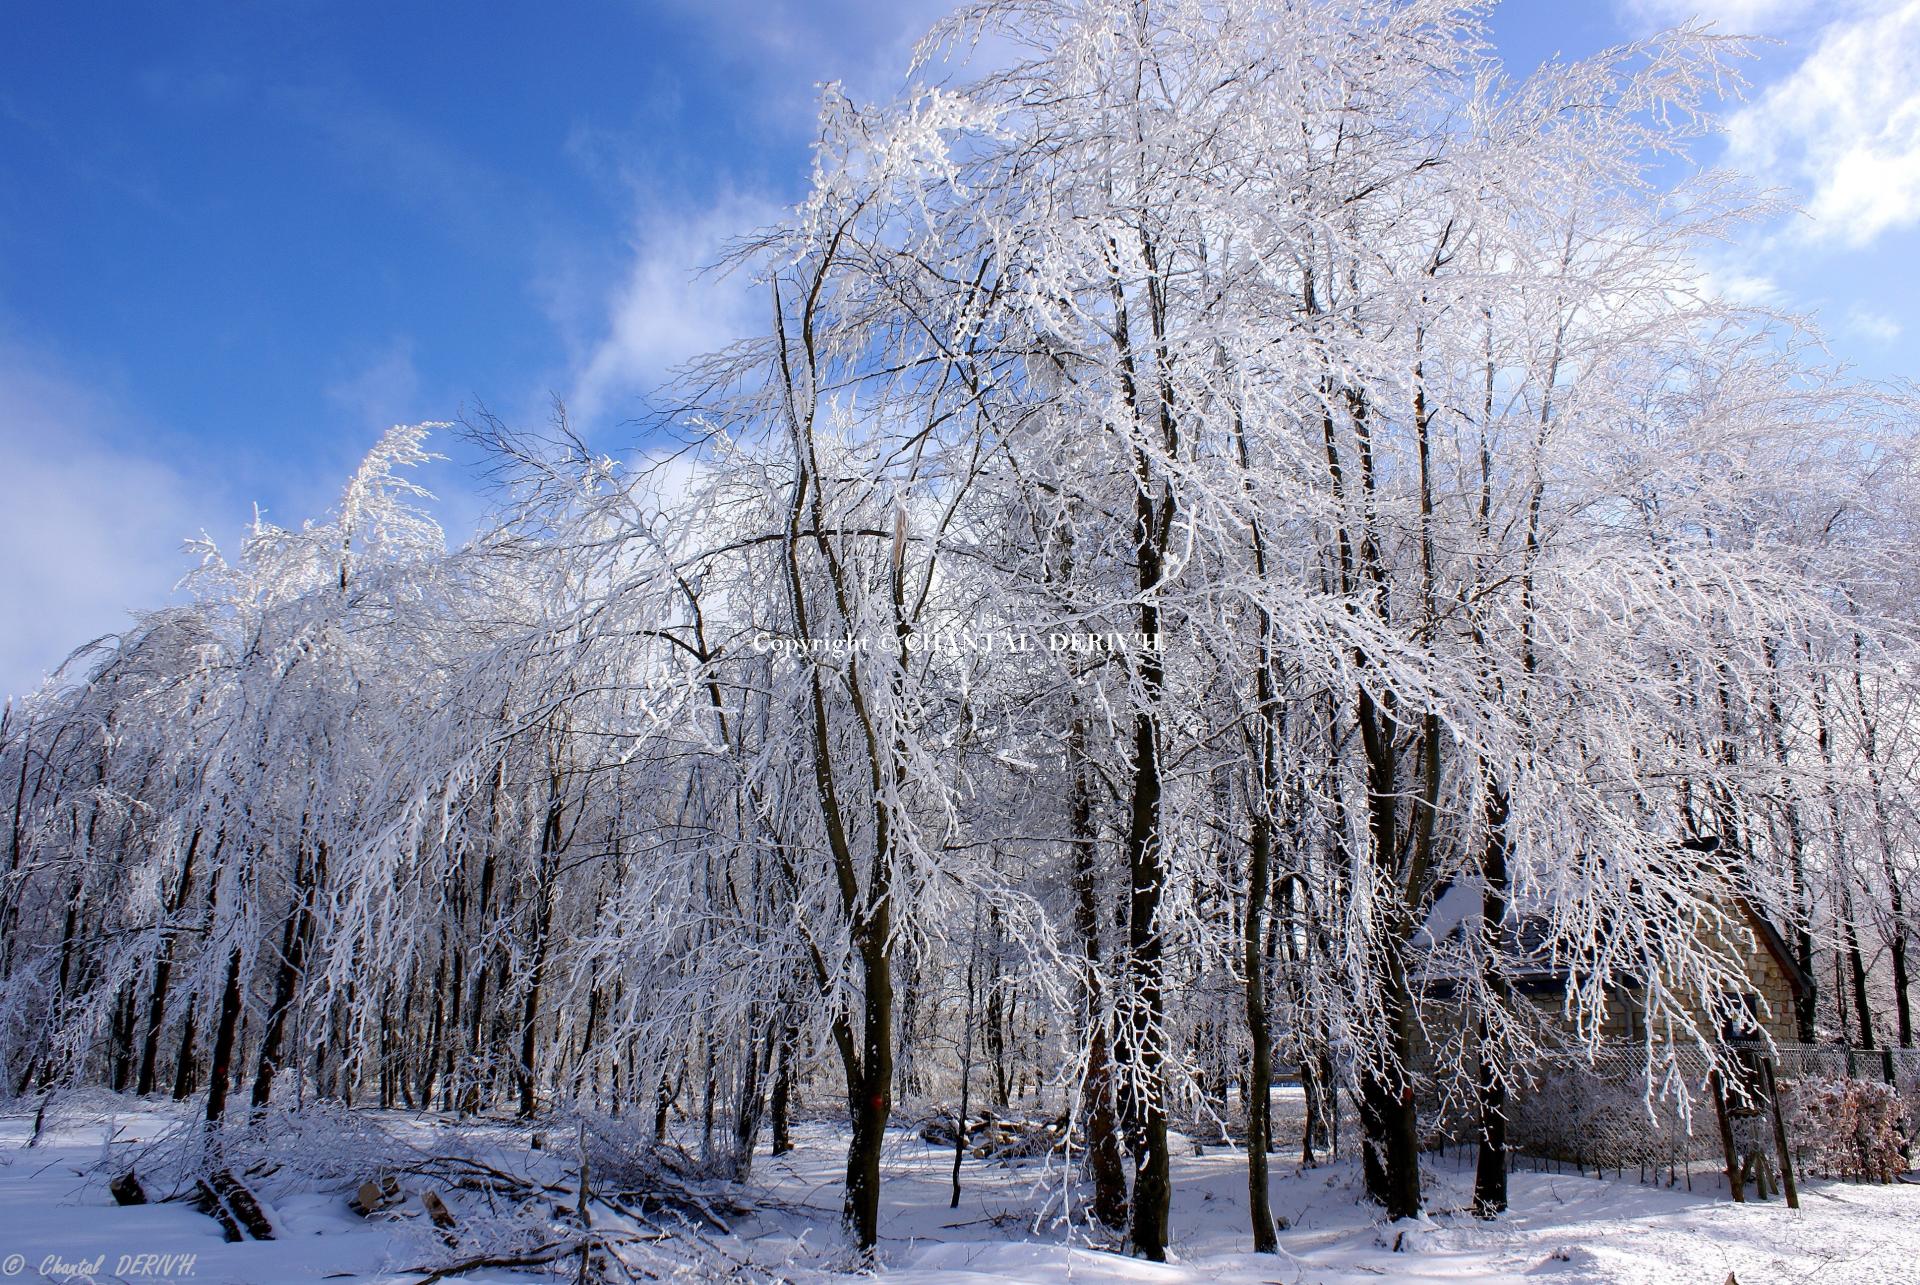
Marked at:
<point>58,1221</point>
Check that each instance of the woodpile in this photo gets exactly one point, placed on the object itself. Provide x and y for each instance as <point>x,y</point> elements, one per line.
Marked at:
<point>224,1198</point>
<point>991,1137</point>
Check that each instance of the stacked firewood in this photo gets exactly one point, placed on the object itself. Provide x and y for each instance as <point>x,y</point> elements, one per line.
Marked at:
<point>993,1137</point>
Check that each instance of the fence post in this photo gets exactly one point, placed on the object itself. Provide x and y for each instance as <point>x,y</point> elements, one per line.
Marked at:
<point>1886,1063</point>
<point>1736,1181</point>
<point>1780,1135</point>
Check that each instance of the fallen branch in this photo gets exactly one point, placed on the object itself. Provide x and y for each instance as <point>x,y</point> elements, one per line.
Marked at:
<point>540,1257</point>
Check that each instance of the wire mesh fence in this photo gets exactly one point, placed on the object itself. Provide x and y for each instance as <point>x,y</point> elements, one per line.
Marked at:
<point>1846,1113</point>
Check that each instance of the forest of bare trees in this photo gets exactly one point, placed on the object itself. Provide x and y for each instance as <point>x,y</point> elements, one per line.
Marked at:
<point>1208,485</point>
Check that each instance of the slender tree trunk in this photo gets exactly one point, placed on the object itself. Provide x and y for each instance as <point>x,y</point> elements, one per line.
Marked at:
<point>1902,1006</point>
<point>550,846</point>
<point>1103,1159</point>
<point>1490,1168</point>
<point>707,1078</point>
<point>1897,934</point>
<point>1857,966</point>
<point>163,973</point>
<point>1387,1109</point>
<point>294,941</point>
<point>1806,998</point>
<point>873,1097</point>
<point>220,1063</point>
<point>1262,794</point>
<point>1146,882</point>
<point>663,1096</point>
<point>184,1067</point>
<point>782,1105</point>
<point>752,1099</point>
<point>966,1062</point>
<point>1259,1094</point>
<point>120,1059</point>
<point>1153,1178</point>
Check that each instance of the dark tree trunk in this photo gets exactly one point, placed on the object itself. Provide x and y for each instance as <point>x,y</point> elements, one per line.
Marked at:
<point>1146,883</point>
<point>1261,796</point>
<point>1902,1006</point>
<point>1392,1144</point>
<point>1392,1162</point>
<point>1870,742</point>
<point>551,843</point>
<point>1490,1169</point>
<point>1897,946</point>
<point>1152,1180</point>
<point>185,1070</point>
<point>294,940</point>
<point>1314,1134</point>
<point>1104,1161</point>
<point>710,1080</point>
<point>872,1082</point>
<point>220,1063</point>
<point>120,1061</point>
<point>1260,1067</point>
<point>156,1018</point>
<point>966,1064</point>
<point>751,1103</point>
<point>1805,998</point>
<point>1857,965</point>
<point>163,970</point>
<point>663,1097</point>
<point>782,1105</point>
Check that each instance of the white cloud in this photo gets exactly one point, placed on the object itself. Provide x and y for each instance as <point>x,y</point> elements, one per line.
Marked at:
<point>665,309</point>
<point>797,44</point>
<point>1874,327</point>
<point>1738,285</point>
<point>1735,17</point>
<point>1842,129</point>
<point>91,528</point>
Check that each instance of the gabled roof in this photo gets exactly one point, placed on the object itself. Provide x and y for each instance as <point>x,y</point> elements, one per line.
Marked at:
<point>1453,913</point>
<point>1456,909</point>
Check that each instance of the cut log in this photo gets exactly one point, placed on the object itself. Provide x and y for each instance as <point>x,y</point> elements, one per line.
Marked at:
<point>224,1198</point>
<point>373,1197</point>
<point>208,1202</point>
<point>437,1210</point>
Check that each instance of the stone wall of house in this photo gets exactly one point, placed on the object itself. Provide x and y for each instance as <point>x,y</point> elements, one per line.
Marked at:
<point>1771,982</point>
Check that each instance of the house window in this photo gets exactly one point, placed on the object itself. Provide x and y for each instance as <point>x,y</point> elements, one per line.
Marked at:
<point>1740,1015</point>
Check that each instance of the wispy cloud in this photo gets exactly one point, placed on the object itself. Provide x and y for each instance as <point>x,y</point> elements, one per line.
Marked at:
<point>383,389</point>
<point>1739,284</point>
<point>1738,17</point>
<point>665,308</point>
<point>93,527</point>
<point>1872,326</point>
<point>1842,130</point>
<point>797,44</point>
<point>413,166</point>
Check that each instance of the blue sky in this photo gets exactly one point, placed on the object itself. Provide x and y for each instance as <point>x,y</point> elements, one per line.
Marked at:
<point>238,240</point>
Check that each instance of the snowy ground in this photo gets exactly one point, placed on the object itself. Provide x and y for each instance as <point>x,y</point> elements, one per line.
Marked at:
<point>58,1223</point>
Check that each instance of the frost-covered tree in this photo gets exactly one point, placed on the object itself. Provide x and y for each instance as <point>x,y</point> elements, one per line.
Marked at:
<point>1242,536</point>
